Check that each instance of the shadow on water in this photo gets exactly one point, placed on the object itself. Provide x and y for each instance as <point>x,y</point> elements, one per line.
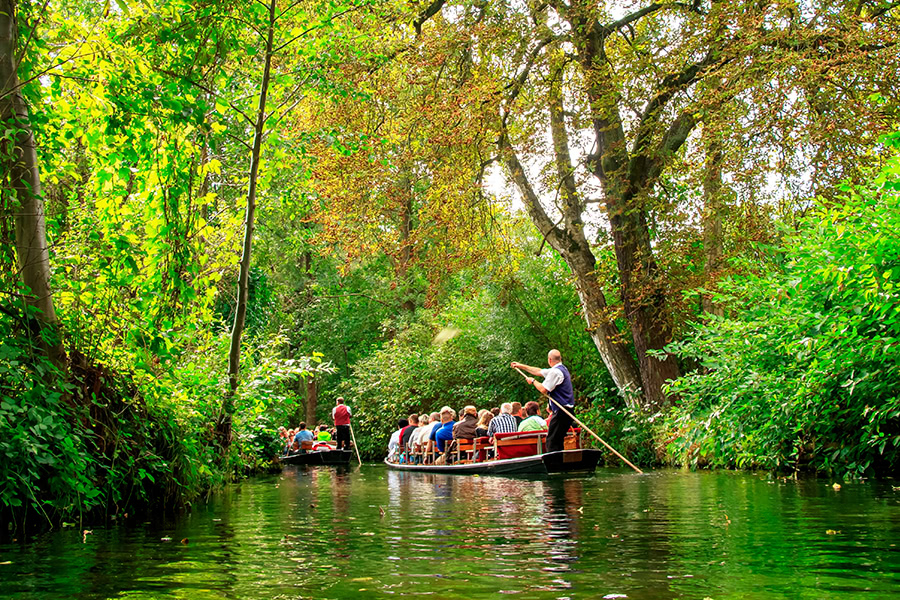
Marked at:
<point>369,532</point>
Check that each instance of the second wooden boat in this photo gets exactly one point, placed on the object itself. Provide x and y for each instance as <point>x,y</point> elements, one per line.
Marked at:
<point>318,457</point>
<point>317,454</point>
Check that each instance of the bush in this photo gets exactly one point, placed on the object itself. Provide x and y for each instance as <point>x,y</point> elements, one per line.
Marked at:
<point>630,432</point>
<point>102,441</point>
<point>44,463</point>
<point>417,372</point>
<point>804,371</point>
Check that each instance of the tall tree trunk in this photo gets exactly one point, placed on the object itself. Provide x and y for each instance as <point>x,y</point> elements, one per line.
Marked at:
<point>626,178</point>
<point>304,294</point>
<point>312,401</point>
<point>405,247</point>
<point>712,218</point>
<point>24,179</point>
<point>643,296</point>
<point>240,314</point>
<point>204,185</point>
<point>573,248</point>
<point>581,259</point>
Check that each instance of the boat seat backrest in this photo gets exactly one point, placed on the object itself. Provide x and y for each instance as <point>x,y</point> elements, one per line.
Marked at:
<point>521,435</point>
<point>519,444</point>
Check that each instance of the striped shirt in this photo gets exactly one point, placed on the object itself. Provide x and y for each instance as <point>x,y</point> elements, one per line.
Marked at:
<point>502,423</point>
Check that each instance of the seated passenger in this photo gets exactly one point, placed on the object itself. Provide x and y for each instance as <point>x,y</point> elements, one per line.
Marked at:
<point>444,433</point>
<point>504,422</point>
<point>406,436</point>
<point>303,435</point>
<point>394,443</point>
<point>419,438</point>
<point>426,424</point>
<point>284,439</point>
<point>323,435</point>
<point>432,442</point>
<point>517,412</point>
<point>484,418</point>
<point>465,429</point>
<point>422,437</point>
<point>438,422</point>
<point>533,421</point>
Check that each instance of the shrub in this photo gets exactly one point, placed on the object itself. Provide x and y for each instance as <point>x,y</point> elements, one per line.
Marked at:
<point>803,373</point>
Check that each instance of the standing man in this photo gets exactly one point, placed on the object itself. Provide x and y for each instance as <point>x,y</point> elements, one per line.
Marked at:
<point>341,416</point>
<point>558,385</point>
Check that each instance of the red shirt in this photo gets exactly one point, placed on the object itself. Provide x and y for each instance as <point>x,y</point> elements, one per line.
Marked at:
<point>341,415</point>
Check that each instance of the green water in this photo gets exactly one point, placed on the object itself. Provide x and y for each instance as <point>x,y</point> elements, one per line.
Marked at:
<point>320,534</point>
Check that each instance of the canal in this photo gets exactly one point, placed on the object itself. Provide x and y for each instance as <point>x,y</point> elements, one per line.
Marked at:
<point>373,533</point>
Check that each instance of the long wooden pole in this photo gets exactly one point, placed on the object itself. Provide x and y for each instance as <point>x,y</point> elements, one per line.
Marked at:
<point>588,429</point>
<point>355,447</point>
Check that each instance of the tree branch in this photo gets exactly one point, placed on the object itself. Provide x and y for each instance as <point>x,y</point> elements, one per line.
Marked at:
<point>674,138</point>
<point>671,85</point>
<point>516,84</point>
<point>565,171</point>
<point>208,90</point>
<point>631,18</point>
<point>313,28</point>
<point>432,9</point>
<point>532,202</point>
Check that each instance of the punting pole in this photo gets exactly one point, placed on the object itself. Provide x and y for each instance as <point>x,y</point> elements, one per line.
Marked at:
<point>588,429</point>
<point>355,447</point>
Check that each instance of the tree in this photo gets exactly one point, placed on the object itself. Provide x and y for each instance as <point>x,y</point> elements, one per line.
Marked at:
<point>240,313</point>
<point>24,183</point>
<point>634,90</point>
<point>706,49</point>
<point>298,73</point>
<point>397,168</point>
<point>568,239</point>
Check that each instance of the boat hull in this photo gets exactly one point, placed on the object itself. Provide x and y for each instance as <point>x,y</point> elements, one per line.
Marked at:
<point>550,463</point>
<point>320,458</point>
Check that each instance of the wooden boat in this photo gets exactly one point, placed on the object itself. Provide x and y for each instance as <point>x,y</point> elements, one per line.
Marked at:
<point>518,453</point>
<point>330,457</point>
<point>549,463</point>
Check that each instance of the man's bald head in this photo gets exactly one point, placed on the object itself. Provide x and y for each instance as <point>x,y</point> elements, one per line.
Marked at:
<point>554,357</point>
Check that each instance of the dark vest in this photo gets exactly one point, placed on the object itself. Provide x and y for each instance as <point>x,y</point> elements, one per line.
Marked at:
<point>563,392</point>
<point>341,415</point>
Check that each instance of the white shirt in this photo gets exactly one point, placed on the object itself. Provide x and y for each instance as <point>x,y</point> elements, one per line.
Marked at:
<point>394,443</point>
<point>552,378</point>
<point>421,435</point>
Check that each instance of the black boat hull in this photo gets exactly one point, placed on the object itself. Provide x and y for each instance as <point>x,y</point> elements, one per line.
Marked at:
<point>550,463</point>
<point>318,458</point>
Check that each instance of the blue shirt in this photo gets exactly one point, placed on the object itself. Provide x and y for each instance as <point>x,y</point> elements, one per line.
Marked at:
<point>444,434</point>
<point>304,435</point>
<point>434,431</point>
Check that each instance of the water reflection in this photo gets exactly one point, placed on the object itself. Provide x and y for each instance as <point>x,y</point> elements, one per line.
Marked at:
<point>381,534</point>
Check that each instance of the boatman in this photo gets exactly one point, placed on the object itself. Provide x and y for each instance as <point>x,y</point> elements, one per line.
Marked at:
<point>341,416</point>
<point>558,385</point>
